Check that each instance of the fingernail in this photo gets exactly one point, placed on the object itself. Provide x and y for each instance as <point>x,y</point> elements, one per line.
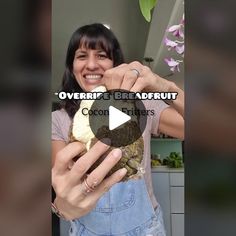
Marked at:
<point>117,153</point>
<point>122,172</point>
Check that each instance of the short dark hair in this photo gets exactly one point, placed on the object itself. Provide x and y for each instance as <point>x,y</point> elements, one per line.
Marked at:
<point>93,36</point>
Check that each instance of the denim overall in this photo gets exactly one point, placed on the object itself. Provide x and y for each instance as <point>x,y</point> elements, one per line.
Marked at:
<point>126,210</point>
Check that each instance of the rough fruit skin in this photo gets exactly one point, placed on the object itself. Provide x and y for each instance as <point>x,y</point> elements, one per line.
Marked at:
<point>132,154</point>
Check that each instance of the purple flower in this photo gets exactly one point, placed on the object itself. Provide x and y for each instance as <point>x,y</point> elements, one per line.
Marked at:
<point>176,30</point>
<point>170,44</point>
<point>177,44</point>
<point>180,49</point>
<point>173,64</point>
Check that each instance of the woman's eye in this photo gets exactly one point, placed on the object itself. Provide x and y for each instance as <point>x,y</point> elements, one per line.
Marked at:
<point>81,57</point>
<point>102,56</point>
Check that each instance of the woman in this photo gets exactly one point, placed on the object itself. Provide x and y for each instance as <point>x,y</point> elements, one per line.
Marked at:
<point>94,58</point>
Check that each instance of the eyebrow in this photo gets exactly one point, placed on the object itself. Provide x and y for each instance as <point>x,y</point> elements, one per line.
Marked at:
<point>100,50</point>
<point>80,51</point>
<point>84,51</point>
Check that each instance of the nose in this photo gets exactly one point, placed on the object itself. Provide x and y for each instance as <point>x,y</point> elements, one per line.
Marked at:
<point>92,63</point>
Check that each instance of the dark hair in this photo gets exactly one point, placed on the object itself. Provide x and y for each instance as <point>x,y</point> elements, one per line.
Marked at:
<point>92,36</point>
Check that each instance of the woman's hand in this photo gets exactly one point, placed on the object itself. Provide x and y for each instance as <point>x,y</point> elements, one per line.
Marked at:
<point>73,196</point>
<point>135,77</point>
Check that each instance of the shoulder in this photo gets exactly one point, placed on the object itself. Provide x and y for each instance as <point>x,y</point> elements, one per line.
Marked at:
<point>60,114</point>
<point>61,123</point>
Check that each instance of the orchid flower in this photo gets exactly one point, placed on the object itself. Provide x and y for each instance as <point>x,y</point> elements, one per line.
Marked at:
<point>174,45</point>
<point>180,49</point>
<point>173,64</point>
<point>170,44</point>
<point>177,31</point>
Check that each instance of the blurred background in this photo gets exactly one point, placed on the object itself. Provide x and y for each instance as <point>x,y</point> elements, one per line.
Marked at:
<point>210,150</point>
<point>25,107</point>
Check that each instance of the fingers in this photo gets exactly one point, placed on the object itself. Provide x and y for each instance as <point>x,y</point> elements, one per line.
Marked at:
<point>96,176</point>
<point>86,161</point>
<point>126,77</point>
<point>108,183</point>
<point>129,80</point>
<point>113,77</point>
<point>65,156</point>
<point>139,85</point>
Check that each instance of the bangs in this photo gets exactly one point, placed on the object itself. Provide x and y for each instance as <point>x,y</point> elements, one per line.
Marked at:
<point>96,43</point>
<point>96,37</point>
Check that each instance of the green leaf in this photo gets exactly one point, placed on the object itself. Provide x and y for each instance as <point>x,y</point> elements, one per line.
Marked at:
<point>146,7</point>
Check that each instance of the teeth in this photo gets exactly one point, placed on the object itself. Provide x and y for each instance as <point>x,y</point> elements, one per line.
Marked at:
<point>93,77</point>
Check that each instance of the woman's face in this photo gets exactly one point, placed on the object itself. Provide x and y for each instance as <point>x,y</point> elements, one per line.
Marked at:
<point>89,66</point>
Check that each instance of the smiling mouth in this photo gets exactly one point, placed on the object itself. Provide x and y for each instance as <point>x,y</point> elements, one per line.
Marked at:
<point>93,77</point>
